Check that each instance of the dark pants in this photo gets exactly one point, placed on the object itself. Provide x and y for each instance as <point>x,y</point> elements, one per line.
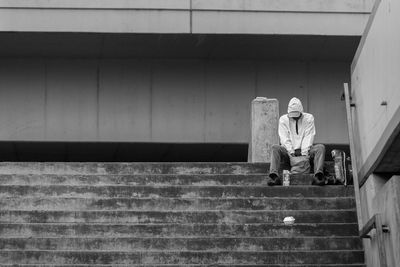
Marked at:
<point>279,153</point>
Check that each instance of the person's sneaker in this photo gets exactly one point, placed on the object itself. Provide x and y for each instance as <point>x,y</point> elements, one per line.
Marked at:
<point>274,181</point>
<point>319,179</point>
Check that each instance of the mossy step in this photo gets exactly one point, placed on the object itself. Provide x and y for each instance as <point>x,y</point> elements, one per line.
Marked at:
<point>263,203</point>
<point>186,257</point>
<point>213,216</point>
<point>175,191</point>
<point>181,244</point>
<point>177,230</point>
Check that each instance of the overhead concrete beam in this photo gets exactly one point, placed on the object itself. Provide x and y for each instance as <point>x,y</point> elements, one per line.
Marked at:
<point>105,21</point>
<point>97,4</point>
<point>292,23</point>
<point>304,17</point>
<point>320,6</point>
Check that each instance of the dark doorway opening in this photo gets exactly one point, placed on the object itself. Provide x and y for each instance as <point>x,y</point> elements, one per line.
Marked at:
<point>121,152</point>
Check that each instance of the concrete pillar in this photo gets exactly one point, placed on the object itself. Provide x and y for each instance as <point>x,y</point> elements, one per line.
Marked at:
<point>264,128</point>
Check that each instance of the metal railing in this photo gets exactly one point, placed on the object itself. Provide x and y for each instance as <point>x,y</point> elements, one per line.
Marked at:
<point>376,223</point>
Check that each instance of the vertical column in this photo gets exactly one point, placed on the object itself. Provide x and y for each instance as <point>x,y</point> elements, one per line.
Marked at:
<point>264,128</point>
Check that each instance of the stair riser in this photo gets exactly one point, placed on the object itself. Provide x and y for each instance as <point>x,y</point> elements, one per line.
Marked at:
<point>176,191</point>
<point>219,217</point>
<point>132,168</point>
<point>185,244</point>
<point>177,230</point>
<point>156,180</point>
<point>191,265</point>
<point>175,204</point>
<point>171,214</point>
<point>68,257</point>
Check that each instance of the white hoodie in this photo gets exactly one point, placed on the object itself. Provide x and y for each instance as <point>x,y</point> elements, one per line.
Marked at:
<point>306,129</point>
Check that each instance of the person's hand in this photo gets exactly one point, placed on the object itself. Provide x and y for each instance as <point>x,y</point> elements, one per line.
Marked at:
<point>297,152</point>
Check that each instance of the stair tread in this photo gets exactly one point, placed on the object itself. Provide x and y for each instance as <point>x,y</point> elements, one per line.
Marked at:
<point>176,191</point>
<point>211,257</point>
<point>147,179</point>
<point>166,251</point>
<point>174,203</point>
<point>178,230</point>
<point>172,214</point>
<point>196,243</point>
<point>217,216</point>
<point>191,265</point>
<point>131,167</point>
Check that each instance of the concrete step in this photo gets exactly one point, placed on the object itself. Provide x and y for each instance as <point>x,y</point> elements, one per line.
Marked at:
<point>150,179</point>
<point>175,191</point>
<point>83,168</point>
<point>176,230</point>
<point>263,203</point>
<point>181,244</point>
<point>162,217</point>
<point>177,257</point>
<point>188,265</point>
<point>171,214</point>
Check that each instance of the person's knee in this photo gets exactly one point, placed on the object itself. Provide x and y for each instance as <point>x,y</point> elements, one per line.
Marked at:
<point>320,148</point>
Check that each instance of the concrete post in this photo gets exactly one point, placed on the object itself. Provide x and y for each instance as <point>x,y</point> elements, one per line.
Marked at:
<point>264,128</point>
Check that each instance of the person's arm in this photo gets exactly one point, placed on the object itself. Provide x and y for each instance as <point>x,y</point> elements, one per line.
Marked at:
<point>309,133</point>
<point>284,136</point>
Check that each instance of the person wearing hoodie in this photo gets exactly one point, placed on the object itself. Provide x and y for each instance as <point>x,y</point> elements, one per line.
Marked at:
<point>296,133</point>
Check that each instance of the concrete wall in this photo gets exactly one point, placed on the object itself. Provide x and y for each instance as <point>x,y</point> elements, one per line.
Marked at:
<point>376,120</point>
<point>375,78</point>
<point>382,196</point>
<point>155,100</point>
<point>312,17</point>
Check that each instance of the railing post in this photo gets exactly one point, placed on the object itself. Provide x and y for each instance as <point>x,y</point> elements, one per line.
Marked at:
<point>264,128</point>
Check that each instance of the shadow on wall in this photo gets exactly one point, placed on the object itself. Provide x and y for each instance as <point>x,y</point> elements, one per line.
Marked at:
<point>121,152</point>
<point>129,152</point>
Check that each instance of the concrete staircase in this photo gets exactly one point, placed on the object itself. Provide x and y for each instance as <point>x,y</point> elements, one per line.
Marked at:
<point>171,214</point>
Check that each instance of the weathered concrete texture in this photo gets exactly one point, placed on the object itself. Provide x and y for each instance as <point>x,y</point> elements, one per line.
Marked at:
<point>62,230</point>
<point>185,217</point>
<point>154,204</point>
<point>80,168</point>
<point>376,117</point>
<point>195,265</point>
<point>387,203</point>
<point>139,95</point>
<point>264,128</point>
<point>182,244</point>
<point>187,257</point>
<point>172,214</point>
<point>150,179</point>
<point>174,191</point>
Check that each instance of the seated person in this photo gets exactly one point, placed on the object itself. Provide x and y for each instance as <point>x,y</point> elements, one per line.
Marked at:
<point>296,133</point>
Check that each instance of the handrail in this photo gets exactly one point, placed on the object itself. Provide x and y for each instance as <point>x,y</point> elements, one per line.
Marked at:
<point>376,223</point>
<point>349,105</point>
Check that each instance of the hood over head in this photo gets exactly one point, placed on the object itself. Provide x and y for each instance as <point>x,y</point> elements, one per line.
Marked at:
<point>295,108</point>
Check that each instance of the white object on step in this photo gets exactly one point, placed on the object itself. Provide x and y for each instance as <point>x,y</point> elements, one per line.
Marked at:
<point>289,220</point>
